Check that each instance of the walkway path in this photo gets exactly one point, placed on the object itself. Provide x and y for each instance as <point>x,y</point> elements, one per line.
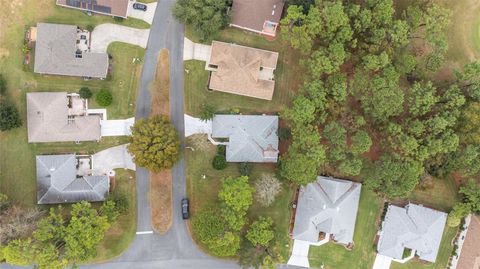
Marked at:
<point>196,51</point>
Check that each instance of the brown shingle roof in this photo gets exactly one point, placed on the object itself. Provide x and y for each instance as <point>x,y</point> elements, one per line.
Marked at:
<point>252,14</point>
<point>470,256</point>
<point>106,7</point>
<point>48,120</point>
<point>242,70</point>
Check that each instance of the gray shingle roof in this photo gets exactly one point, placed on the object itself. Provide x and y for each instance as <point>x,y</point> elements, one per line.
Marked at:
<point>48,120</point>
<point>251,138</point>
<point>414,227</point>
<point>327,205</point>
<point>55,49</point>
<point>57,181</point>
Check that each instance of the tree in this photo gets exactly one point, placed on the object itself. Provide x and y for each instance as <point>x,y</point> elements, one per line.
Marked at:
<point>470,123</point>
<point>459,211</point>
<point>471,195</point>
<point>154,143</point>
<point>226,245</point>
<point>361,142</point>
<point>19,252</point>
<point>266,189</point>
<point>208,225</point>
<point>422,99</point>
<point>260,232</point>
<point>9,116</point>
<point>206,17</point>
<point>236,197</point>
<point>85,93</point>
<point>351,167</point>
<point>393,177</point>
<point>104,98</point>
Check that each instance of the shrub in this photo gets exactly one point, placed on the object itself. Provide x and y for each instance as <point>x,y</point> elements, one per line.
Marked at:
<point>245,169</point>
<point>261,232</point>
<point>3,85</point>
<point>267,188</point>
<point>118,19</point>
<point>9,117</point>
<point>284,134</point>
<point>221,150</point>
<point>85,93</point>
<point>90,28</point>
<point>104,98</point>
<point>121,202</point>
<point>219,162</point>
<point>207,112</point>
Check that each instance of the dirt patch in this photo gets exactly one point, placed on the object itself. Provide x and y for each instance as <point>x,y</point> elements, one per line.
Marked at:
<point>161,183</point>
<point>161,200</point>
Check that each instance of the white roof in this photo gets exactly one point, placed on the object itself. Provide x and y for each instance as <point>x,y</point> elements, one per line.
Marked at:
<point>414,227</point>
<point>327,205</point>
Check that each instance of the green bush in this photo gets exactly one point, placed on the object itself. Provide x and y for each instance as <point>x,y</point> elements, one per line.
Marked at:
<point>207,112</point>
<point>3,85</point>
<point>219,162</point>
<point>9,117</point>
<point>85,93</point>
<point>245,169</point>
<point>90,28</point>
<point>221,150</point>
<point>104,98</point>
<point>118,19</point>
<point>284,133</point>
<point>121,202</point>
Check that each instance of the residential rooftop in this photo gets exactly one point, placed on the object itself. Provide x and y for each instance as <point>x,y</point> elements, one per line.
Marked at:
<point>64,50</point>
<point>328,205</point>
<point>58,117</point>
<point>242,70</point>
<point>260,17</point>
<point>251,138</point>
<point>117,8</point>
<point>413,227</point>
<point>61,179</point>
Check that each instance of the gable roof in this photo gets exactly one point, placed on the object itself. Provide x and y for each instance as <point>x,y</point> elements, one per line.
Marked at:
<point>252,14</point>
<point>57,181</point>
<point>251,138</point>
<point>327,205</point>
<point>55,53</point>
<point>116,8</point>
<point>242,70</point>
<point>48,120</point>
<point>414,227</point>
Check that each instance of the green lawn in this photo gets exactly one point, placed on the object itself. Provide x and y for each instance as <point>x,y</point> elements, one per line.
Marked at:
<point>442,196</point>
<point>122,232</point>
<point>334,256</point>
<point>288,76</point>
<point>203,192</point>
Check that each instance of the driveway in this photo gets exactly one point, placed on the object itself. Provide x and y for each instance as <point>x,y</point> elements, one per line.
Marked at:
<point>112,158</point>
<point>382,262</point>
<point>146,16</point>
<point>196,51</point>
<point>299,255</point>
<point>197,126</point>
<point>116,127</point>
<point>104,34</point>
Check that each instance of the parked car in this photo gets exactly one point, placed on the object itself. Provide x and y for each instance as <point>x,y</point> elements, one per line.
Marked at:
<point>185,209</point>
<point>140,6</point>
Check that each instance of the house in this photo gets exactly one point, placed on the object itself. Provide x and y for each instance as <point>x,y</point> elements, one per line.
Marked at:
<point>65,50</point>
<point>242,70</point>
<point>60,117</point>
<point>67,179</point>
<point>116,8</point>
<point>413,227</point>
<point>327,206</point>
<point>470,250</point>
<point>251,138</point>
<point>261,17</point>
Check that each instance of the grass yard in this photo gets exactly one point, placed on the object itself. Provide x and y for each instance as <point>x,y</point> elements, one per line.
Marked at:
<point>442,196</point>
<point>289,75</point>
<point>334,256</point>
<point>122,232</point>
<point>203,192</point>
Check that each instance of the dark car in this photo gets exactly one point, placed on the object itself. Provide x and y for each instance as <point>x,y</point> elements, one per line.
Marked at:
<point>140,6</point>
<point>185,209</point>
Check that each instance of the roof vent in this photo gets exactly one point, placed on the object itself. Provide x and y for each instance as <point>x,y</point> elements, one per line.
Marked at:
<point>52,169</point>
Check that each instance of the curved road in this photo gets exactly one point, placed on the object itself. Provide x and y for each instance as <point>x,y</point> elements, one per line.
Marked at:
<point>175,249</point>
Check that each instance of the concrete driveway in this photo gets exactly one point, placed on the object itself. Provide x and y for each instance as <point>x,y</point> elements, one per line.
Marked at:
<point>196,51</point>
<point>197,126</point>
<point>104,34</point>
<point>116,127</point>
<point>146,16</point>
<point>382,262</point>
<point>112,158</point>
<point>299,255</point>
